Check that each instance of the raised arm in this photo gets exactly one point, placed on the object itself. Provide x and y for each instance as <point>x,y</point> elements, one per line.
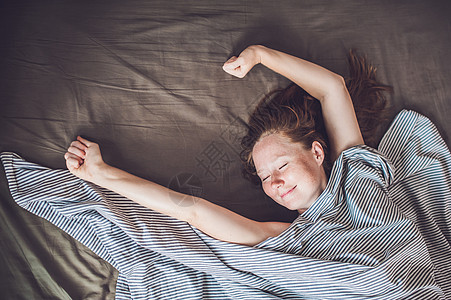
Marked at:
<point>84,160</point>
<point>329,88</point>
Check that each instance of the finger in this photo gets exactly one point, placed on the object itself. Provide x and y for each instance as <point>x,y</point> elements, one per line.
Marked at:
<point>79,145</point>
<point>72,156</point>
<point>76,151</point>
<point>72,163</point>
<point>229,70</point>
<point>233,66</point>
<point>234,63</point>
<point>230,67</point>
<point>85,141</point>
<point>230,60</point>
<point>237,72</point>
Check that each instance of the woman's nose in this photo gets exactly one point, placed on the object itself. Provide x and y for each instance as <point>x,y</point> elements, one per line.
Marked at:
<point>277,182</point>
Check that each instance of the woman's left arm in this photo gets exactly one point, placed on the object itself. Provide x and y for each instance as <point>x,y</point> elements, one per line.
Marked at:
<point>84,160</point>
<point>329,88</point>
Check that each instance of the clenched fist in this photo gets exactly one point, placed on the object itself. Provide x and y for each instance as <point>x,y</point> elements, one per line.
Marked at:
<point>84,160</point>
<point>241,65</point>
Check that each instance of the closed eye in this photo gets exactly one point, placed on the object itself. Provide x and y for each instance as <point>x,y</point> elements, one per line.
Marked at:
<point>265,178</point>
<point>283,166</point>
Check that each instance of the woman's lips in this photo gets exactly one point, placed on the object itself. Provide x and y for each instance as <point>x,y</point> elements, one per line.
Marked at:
<point>283,195</point>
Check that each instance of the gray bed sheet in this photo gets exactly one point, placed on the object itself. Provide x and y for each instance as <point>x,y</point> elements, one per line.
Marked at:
<point>144,80</point>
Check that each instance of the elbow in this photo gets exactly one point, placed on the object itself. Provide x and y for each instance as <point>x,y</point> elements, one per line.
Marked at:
<point>337,84</point>
<point>340,79</point>
<point>336,87</point>
<point>191,211</point>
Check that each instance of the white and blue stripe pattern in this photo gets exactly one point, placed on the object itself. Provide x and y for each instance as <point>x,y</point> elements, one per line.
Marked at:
<point>381,230</point>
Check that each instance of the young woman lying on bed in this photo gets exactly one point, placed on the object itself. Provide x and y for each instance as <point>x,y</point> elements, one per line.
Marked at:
<point>288,146</point>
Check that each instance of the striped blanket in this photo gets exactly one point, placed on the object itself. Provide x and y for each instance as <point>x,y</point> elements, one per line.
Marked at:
<point>381,230</point>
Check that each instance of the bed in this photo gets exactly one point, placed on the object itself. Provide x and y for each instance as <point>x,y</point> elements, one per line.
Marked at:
<point>144,80</point>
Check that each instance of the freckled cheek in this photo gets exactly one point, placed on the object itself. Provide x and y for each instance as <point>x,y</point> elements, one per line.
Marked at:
<point>303,174</point>
<point>267,189</point>
<point>292,177</point>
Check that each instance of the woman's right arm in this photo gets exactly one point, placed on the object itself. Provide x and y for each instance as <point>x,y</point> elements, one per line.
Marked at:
<point>84,160</point>
<point>329,88</point>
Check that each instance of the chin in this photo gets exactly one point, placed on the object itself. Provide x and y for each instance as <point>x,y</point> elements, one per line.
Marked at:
<point>291,205</point>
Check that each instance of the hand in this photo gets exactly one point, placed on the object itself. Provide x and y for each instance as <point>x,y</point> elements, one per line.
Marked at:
<point>241,65</point>
<point>84,160</point>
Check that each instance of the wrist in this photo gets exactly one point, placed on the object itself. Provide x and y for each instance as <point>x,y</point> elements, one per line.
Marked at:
<point>101,174</point>
<point>258,51</point>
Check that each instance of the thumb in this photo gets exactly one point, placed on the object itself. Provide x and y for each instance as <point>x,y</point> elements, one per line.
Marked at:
<point>233,63</point>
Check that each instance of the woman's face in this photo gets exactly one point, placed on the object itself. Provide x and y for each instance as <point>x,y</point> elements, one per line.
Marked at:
<point>291,175</point>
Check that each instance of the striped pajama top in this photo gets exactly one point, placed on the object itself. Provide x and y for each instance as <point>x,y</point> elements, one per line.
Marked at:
<point>380,230</point>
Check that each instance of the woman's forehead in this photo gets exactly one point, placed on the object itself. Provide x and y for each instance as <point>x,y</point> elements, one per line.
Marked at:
<point>275,142</point>
<point>273,147</point>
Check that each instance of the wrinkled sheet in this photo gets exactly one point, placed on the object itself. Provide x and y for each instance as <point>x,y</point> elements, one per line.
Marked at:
<point>376,232</point>
<point>144,79</point>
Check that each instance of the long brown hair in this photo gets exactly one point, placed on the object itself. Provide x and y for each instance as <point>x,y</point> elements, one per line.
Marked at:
<point>297,115</point>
